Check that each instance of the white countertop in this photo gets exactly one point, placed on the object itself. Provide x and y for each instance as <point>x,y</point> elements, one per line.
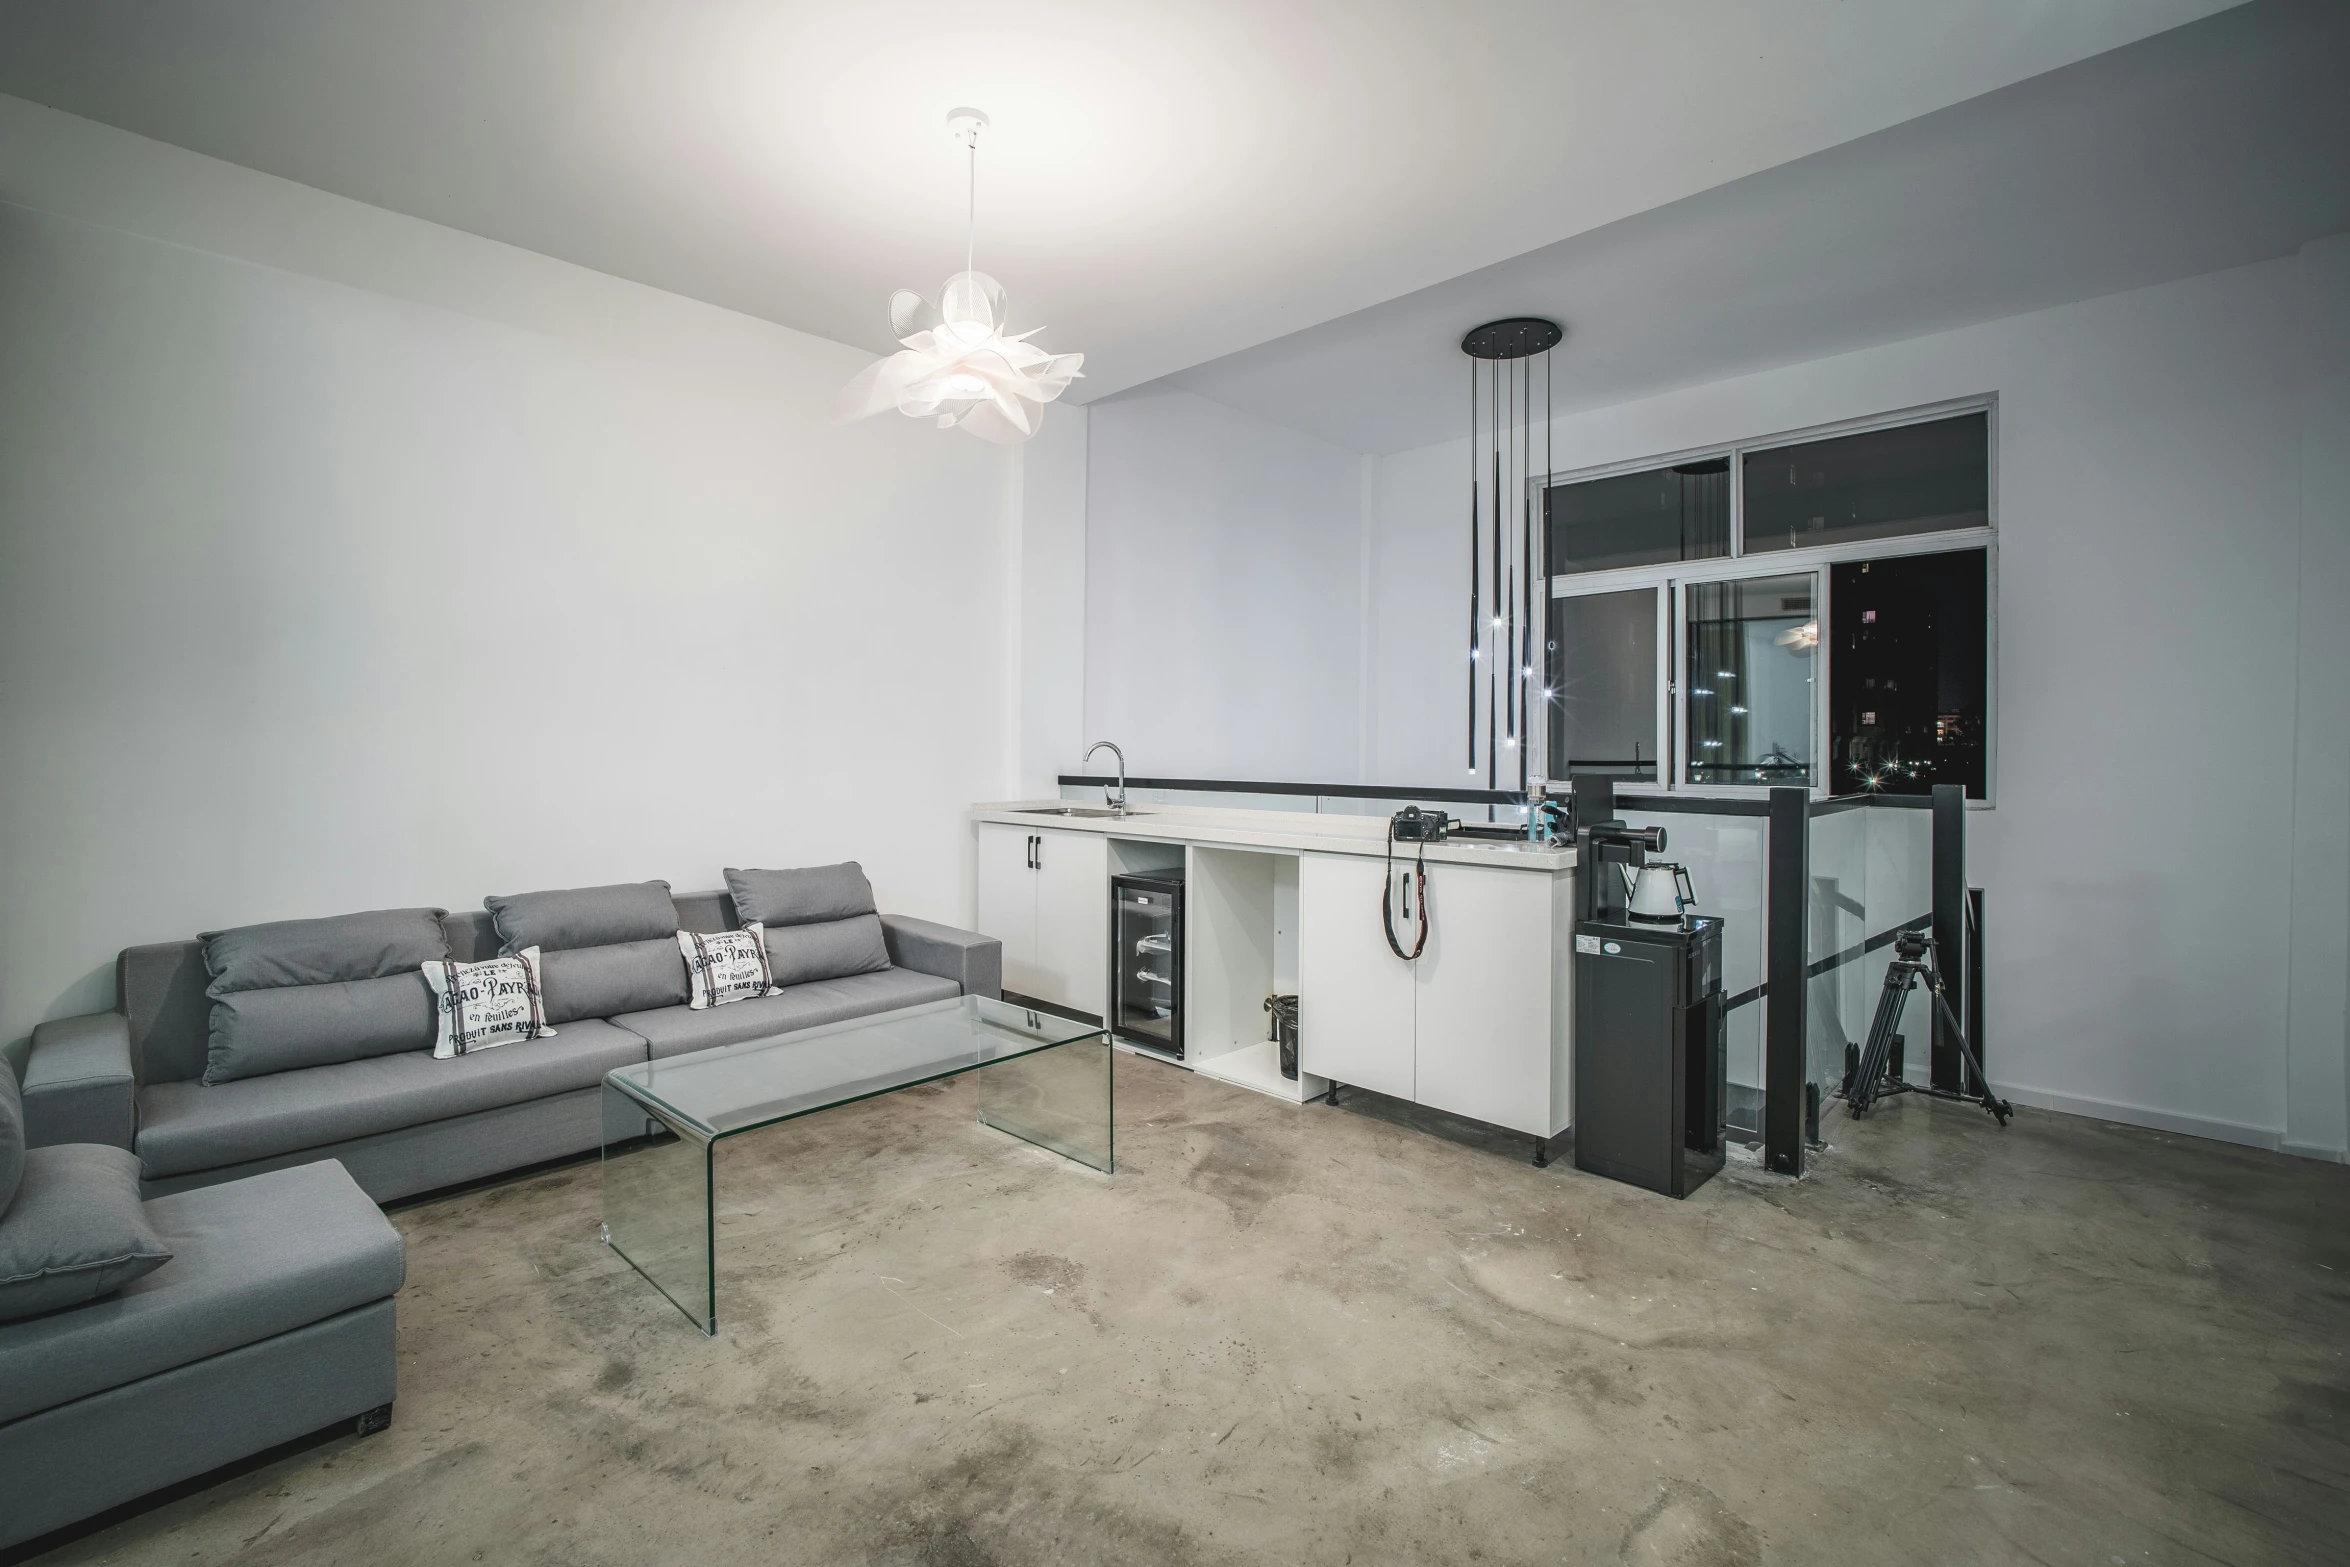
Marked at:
<point>1297,831</point>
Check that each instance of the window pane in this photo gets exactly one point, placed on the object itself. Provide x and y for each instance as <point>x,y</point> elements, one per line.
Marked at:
<point>1640,519</point>
<point>1917,478</point>
<point>1603,684</point>
<point>1909,680</point>
<point>1751,648</point>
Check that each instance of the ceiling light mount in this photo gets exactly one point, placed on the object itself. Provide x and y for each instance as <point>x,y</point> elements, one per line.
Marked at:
<point>1513,337</point>
<point>965,125</point>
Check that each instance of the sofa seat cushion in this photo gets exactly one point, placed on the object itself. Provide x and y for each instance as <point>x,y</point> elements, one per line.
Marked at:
<point>251,1259</point>
<point>677,1031</point>
<point>184,1127</point>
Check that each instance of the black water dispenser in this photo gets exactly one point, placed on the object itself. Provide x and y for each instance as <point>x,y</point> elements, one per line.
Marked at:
<point>1651,1038</point>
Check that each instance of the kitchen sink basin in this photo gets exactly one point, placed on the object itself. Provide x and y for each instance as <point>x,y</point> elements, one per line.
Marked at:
<point>1077,810</point>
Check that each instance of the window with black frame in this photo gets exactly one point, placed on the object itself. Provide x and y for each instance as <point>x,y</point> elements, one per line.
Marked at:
<point>1675,513</point>
<point>1899,640</point>
<point>1909,674</point>
<point>1929,477</point>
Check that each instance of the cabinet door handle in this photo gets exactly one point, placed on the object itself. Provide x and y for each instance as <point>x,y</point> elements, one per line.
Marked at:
<point>1032,851</point>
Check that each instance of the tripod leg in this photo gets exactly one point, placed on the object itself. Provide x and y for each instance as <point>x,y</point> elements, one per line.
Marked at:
<point>2000,1109</point>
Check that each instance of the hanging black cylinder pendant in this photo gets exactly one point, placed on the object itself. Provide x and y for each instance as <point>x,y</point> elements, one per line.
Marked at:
<point>1523,653</point>
<point>1492,671</point>
<point>1475,566</point>
<point>1502,596</point>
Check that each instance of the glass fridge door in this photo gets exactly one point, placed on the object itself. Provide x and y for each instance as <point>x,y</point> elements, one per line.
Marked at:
<point>1147,994</point>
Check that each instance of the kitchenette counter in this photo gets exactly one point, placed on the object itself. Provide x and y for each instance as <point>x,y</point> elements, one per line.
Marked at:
<point>1450,989</point>
<point>1291,831</point>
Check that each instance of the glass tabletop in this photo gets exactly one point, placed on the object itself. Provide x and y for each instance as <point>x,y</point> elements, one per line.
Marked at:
<point>734,1088</point>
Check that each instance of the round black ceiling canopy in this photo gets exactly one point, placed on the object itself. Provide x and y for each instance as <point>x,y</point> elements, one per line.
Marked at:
<point>1513,337</point>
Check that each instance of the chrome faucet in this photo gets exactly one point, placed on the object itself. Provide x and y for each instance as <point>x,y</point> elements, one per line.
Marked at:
<point>1119,804</point>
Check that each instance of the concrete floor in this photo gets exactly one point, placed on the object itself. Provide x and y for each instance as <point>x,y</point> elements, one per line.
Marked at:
<point>1283,1335</point>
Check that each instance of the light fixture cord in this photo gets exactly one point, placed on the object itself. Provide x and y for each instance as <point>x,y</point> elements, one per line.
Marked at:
<point>971,206</point>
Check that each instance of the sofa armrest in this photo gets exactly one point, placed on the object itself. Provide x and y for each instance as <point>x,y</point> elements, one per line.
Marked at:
<point>79,1086</point>
<point>971,960</point>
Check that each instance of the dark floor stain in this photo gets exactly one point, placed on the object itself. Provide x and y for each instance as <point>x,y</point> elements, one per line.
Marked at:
<point>1239,1167</point>
<point>1043,1270</point>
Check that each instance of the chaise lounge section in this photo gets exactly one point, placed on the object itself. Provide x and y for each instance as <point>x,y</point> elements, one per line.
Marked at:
<point>254,1312</point>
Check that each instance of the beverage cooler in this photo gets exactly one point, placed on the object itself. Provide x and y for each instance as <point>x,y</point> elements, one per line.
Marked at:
<point>1146,960</point>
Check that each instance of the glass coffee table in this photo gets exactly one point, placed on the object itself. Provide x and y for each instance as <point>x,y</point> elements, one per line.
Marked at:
<point>1046,1080</point>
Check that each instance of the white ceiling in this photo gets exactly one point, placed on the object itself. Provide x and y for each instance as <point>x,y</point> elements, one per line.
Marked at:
<point>2217,144</point>
<point>1164,183</point>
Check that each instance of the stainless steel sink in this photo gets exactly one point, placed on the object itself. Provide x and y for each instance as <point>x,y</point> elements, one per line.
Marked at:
<point>1077,810</point>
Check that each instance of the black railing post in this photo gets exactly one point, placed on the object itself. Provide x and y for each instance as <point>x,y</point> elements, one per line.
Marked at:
<point>1787,888</point>
<point>1949,909</point>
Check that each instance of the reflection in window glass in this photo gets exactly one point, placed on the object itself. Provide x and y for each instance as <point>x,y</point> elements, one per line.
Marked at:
<point>1748,679</point>
<point>1909,679</point>
<point>1602,681</point>
<point>1640,519</point>
<point>1880,484</point>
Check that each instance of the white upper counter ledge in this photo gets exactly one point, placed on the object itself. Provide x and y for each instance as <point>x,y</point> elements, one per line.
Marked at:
<point>1295,831</point>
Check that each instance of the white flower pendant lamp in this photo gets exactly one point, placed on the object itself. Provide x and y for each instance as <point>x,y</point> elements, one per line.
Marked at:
<point>957,366</point>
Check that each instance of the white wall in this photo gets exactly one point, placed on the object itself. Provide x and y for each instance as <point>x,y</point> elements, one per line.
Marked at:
<point>2171,730</point>
<point>1051,690</point>
<point>1224,586</point>
<point>348,562</point>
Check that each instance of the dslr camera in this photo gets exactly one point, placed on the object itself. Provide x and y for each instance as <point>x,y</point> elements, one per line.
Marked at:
<point>1413,825</point>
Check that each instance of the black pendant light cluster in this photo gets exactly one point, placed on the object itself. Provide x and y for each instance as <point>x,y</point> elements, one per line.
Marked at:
<point>1507,590</point>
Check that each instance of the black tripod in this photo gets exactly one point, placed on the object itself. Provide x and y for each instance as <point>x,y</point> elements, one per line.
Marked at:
<point>1867,1082</point>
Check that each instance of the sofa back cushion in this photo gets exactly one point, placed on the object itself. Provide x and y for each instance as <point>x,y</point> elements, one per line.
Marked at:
<point>602,950</point>
<point>627,976</point>
<point>821,922</point>
<point>302,993</point>
<point>584,916</point>
<point>335,950</point>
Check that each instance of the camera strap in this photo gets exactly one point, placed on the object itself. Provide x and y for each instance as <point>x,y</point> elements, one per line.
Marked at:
<point>1419,874</point>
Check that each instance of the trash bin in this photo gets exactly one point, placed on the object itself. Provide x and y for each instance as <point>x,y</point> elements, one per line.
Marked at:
<point>1284,1011</point>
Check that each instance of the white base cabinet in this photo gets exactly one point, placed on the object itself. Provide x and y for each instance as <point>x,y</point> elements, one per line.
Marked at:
<point>1478,1025</point>
<point>1354,999</point>
<point>1046,896</point>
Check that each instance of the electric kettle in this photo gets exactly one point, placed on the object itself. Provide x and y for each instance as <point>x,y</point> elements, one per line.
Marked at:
<point>1658,894</point>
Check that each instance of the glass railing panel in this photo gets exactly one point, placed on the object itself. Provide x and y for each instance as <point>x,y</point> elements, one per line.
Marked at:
<point>1725,856</point>
<point>1901,889</point>
<point>1836,1010</point>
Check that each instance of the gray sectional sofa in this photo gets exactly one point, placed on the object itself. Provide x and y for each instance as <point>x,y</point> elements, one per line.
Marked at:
<point>404,1122</point>
<point>191,1268</point>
